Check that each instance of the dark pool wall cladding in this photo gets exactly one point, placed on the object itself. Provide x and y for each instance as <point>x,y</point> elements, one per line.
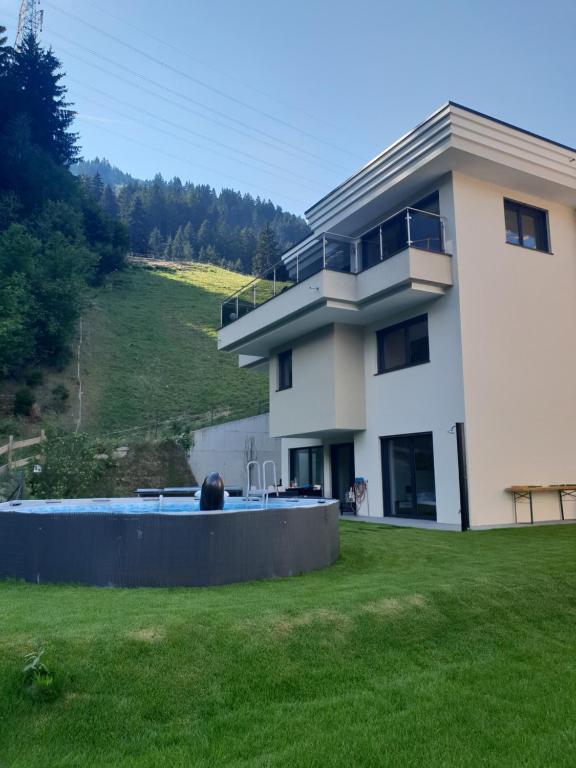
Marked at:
<point>151,550</point>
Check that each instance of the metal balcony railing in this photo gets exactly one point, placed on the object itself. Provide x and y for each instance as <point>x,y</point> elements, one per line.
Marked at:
<point>409,228</point>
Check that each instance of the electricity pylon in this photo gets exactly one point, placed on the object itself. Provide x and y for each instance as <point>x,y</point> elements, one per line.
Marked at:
<point>29,20</point>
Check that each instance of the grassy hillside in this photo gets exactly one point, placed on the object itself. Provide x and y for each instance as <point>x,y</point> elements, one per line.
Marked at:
<point>149,350</point>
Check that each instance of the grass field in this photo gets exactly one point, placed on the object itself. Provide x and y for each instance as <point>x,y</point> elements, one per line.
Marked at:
<point>417,648</point>
<point>149,353</point>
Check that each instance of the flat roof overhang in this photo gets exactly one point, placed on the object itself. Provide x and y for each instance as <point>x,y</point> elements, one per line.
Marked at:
<point>408,279</point>
<point>453,139</point>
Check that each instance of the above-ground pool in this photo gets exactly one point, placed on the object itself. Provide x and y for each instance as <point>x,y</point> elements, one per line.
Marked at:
<point>160,542</point>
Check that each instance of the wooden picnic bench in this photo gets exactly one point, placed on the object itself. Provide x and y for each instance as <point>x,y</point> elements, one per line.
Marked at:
<point>523,492</point>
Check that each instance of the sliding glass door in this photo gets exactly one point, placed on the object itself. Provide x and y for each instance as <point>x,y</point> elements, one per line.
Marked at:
<point>408,476</point>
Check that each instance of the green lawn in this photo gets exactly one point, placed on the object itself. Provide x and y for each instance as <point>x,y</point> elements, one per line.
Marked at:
<point>417,648</point>
<point>150,351</point>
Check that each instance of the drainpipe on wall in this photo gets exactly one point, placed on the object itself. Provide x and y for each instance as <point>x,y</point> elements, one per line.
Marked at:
<point>462,476</point>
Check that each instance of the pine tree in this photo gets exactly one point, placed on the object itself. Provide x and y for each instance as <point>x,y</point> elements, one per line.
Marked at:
<point>124,200</point>
<point>267,251</point>
<point>168,249</point>
<point>178,250</point>
<point>156,244</point>
<point>205,234</point>
<point>156,205</point>
<point>5,51</point>
<point>189,234</point>
<point>109,202</point>
<point>138,227</point>
<point>40,97</point>
<point>97,187</point>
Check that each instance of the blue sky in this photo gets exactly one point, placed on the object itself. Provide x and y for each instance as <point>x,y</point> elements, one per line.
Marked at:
<point>285,100</point>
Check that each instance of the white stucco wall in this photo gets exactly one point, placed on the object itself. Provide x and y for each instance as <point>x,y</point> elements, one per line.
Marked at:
<point>519,335</point>
<point>425,398</point>
<point>327,390</point>
<point>227,448</point>
<point>501,343</point>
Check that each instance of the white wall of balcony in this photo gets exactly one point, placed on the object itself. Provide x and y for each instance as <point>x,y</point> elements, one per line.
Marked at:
<point>327,393</point>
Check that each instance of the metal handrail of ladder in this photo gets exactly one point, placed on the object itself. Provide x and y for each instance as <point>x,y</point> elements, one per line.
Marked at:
<point>274,482</point>
<point>258,476</point>
<point>261,490</point>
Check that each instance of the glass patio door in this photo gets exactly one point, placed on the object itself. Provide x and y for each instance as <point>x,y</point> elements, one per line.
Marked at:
<point>408,475</point>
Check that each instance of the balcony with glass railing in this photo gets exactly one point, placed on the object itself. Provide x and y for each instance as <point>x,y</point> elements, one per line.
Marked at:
<point>409,228</point>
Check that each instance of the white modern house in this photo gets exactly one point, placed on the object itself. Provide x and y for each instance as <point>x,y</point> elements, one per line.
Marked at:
<point>424,336</point>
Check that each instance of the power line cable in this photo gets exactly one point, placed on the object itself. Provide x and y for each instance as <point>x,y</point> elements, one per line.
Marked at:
<point>208,64</point>
<point>164,132</point>
<point>199,82</point>
<point>308,184</point>
<point>332,167</point>
<point>180,159</point>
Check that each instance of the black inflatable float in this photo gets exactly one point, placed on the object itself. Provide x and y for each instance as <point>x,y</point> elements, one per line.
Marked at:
<point>212,493</point>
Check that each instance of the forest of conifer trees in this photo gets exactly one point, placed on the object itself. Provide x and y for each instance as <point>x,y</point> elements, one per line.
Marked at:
<point>183,221</point>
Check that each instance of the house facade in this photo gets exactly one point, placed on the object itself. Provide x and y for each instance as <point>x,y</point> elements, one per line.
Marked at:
<point>422,338</point>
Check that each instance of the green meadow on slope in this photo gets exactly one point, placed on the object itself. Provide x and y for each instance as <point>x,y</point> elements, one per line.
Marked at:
<point>150,353</point>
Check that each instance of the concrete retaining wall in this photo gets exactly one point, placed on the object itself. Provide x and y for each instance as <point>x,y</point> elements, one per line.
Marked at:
<point>227,448</point>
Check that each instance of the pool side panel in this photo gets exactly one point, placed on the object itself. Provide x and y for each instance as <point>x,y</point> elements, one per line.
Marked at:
<point>167,550</point>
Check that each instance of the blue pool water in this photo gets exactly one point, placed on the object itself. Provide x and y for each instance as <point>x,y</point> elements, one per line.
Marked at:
<point>151,506</point>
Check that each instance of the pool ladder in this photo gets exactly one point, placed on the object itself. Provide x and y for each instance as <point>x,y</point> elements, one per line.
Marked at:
<point>261,489</point>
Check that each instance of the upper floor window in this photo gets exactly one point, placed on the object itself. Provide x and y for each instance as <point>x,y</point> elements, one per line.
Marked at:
<point>403,345</point>
<point>430,203</point>
<point>526,226</point>
<point>285,369</point>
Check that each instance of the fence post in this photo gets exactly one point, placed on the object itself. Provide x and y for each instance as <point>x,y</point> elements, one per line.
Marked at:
<point>408,227</point>
<point>10,443</point>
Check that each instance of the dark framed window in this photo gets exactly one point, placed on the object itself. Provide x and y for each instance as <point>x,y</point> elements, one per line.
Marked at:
<point>403,345</point>
<point>526,226</point>
<point>408,476</point>
<point>307,466</point>
<point>430,203</point>
<point>285,369</point>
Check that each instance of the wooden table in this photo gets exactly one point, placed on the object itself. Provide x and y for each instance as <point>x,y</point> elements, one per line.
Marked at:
<point>519,492</point>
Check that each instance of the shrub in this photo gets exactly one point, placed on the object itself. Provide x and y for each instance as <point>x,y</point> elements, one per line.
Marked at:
<point>23,401</point>
<point>182,435</point>
<point>34,378</point>
<point>70,468</point>
<point>60,395</point>
<point>60,392</point>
